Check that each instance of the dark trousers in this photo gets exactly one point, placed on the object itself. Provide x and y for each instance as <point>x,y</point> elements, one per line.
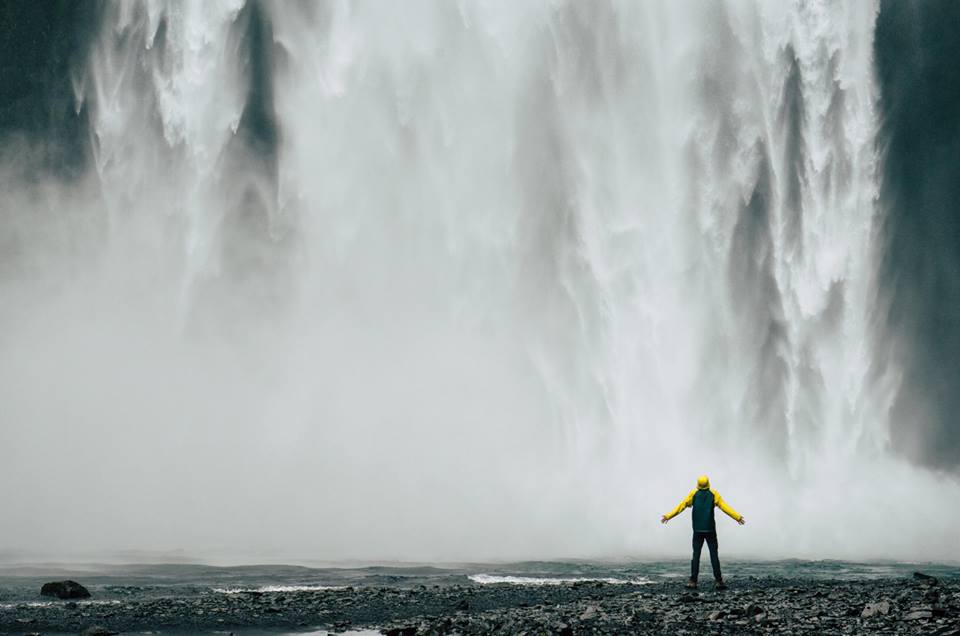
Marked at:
<point>698,539</point>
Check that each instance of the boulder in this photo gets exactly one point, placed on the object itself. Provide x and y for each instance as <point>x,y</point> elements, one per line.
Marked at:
<point>64,589</point>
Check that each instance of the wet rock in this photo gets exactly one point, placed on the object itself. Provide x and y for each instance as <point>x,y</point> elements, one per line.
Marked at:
<point>590,612</point>
<point>916,615</point>
<point>754,609</point>
<point>717,615</point>
<point>97,630</point>
<point>463,605</point>
<point>64,589</point>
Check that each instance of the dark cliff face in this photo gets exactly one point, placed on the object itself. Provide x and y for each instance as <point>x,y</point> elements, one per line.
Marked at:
<point>917,52</point>
<point>43,47</point>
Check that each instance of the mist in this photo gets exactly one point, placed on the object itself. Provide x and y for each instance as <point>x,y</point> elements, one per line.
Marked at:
<point>462,281</point>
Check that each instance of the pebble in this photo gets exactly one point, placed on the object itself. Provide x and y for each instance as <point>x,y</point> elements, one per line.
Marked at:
<point>918,614</point>
<point>872,609</point>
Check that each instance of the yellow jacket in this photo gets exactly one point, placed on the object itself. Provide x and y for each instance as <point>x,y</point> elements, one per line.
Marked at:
<point>717,501</point>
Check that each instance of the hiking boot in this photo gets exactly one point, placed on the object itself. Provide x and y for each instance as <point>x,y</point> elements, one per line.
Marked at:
<point>720,585</point>
<point>692,584</point>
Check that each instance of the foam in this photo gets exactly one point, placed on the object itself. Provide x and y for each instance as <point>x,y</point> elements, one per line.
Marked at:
<point>492,579</point>
<point>276,588</point>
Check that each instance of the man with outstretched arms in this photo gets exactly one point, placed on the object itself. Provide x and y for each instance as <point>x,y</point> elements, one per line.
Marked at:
<point>703,500</point>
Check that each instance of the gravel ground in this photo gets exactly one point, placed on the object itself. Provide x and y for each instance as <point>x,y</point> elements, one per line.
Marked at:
<point>751,605</point>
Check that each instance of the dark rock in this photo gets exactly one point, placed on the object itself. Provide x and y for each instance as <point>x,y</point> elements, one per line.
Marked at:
<point>718,615</point>
<point>753,610</point>
<point>926,578</point>
<point>96,630</point>
<point>64,589</point>
<point>464,605</point>
<point>766,619</point>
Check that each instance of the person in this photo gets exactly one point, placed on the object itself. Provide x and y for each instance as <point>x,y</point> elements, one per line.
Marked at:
<point>703,500</point>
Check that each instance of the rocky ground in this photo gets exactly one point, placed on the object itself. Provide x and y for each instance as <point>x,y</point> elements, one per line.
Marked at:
<point>751,605</point>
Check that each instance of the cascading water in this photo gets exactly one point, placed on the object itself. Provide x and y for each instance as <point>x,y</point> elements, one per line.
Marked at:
<point>443,280</point>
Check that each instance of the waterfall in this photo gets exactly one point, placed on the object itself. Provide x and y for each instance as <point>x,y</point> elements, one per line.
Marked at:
<point>476,280</point>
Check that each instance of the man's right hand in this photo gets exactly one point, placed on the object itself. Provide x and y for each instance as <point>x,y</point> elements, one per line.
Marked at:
<point>664,519</point>
<point>741,521</point>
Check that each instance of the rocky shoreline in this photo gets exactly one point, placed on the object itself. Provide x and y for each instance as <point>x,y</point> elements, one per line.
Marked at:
<point>918,605</point>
